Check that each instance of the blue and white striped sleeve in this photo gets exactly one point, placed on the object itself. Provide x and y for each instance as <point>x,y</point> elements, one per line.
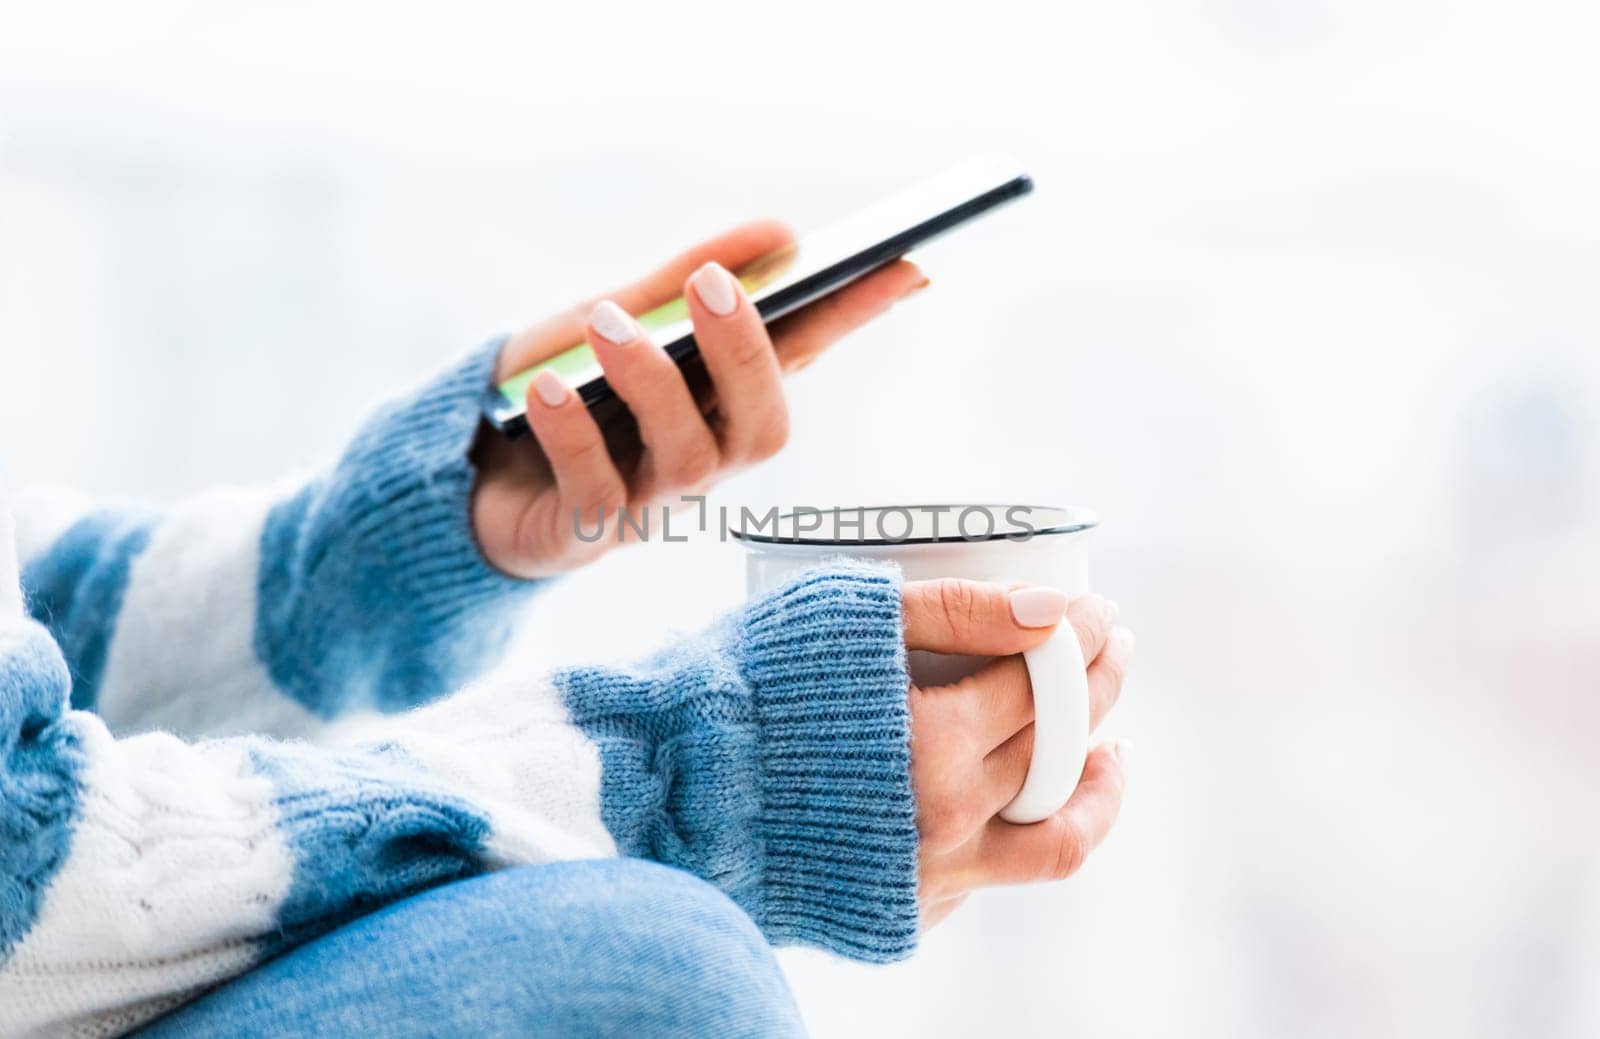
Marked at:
<point>273,610</point>
<point>769,756</point>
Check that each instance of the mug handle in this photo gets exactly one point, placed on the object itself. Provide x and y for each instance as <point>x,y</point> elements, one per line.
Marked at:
<point>1060,727</point>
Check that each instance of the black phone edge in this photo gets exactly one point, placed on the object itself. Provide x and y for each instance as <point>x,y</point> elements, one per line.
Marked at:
<point>824,282</point>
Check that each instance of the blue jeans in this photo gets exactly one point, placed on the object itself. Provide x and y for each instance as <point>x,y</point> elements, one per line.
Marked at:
<point>609,947</point>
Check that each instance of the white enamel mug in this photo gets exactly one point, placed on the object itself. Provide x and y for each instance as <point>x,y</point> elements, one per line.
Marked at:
<point>1007,544</point>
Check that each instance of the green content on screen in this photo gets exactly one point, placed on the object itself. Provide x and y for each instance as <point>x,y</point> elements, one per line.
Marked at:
<point>578,364</point>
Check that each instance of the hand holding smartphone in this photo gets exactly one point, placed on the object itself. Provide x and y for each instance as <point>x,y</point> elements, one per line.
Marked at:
<point>788,279</point>
<point>675,381</point>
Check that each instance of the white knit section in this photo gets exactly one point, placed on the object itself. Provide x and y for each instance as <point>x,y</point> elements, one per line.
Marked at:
<point>508,744</point>
<point>44,514</point>
<point>176,868</point>
<point>183,656</point>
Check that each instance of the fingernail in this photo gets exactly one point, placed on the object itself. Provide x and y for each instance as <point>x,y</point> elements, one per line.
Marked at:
<point>1124,638</point>
<point>918,287</point>
<point>717,290</point>
<point>1122,748</point>
<point>612,323</point>
<point>1112,610</point>
<point>551,388</point>
<point>1038,607</point>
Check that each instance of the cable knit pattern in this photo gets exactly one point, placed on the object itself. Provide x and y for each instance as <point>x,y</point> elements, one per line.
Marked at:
<point>364,829</point>
<point>768,756</point>
<point>138,868</point>
<point>39,765</point>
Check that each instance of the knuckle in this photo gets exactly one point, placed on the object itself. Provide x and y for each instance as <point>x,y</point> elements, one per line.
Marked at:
<point>771,437</point>
<point>532,537</point>
<point>657,376</point>
<point>1004,681</point>
<point>1071,849</point>
<point>957,605</point>
<point>964,716</point>
<point>608,499</point>
<point>932,824</point>
<point>755,439</point>
<point>937,887</point>
<point>945,823</point>
<point>1091,635</point>
<point>574,443</point>
<point>1021,749</point>
<point>1088,614</point>
<point>693,467</point>
<point>949,737</point>
<point>606,495</point>
<point>1116,670</point>
<point>749,352</point>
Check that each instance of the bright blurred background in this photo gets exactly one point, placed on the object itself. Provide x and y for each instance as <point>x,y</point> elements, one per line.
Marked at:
<point>1305,304</point>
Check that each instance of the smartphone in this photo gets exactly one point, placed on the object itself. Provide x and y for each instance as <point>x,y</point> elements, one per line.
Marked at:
<point>782,282</point>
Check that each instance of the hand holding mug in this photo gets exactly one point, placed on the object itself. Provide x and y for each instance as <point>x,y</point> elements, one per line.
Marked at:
<point>972,740</point>
<point>1008,545</point>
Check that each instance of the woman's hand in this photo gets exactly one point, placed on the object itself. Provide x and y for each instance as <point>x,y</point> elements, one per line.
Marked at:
<point>971,742</point>
<point>527,496</point>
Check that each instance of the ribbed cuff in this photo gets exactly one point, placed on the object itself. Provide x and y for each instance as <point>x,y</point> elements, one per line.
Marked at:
<point>825,660</point>
<point>373,590</point>
<point>418,473</point>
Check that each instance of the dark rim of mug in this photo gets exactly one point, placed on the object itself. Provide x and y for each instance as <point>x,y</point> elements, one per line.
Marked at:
<point>1073,520</point>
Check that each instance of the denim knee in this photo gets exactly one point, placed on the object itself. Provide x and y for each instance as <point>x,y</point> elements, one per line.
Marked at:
<point>642,943</point>
<point>612,947</point>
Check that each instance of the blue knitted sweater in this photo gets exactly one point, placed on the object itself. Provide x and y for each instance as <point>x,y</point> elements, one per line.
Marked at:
<point>230,726</point>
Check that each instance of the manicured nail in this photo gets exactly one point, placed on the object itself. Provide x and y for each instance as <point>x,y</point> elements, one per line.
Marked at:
<point>612,323</point>
<point>918,287</point>
<point>1124,638</point>
<point>1038,607</point>
<point>717,290</point>
<point>551,388</point>
<point>1122,748</point>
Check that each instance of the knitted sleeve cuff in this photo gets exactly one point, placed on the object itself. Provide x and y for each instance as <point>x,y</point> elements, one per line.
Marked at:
<point>374,591</point>
<point>417,480</point>
<point>825,660</point>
